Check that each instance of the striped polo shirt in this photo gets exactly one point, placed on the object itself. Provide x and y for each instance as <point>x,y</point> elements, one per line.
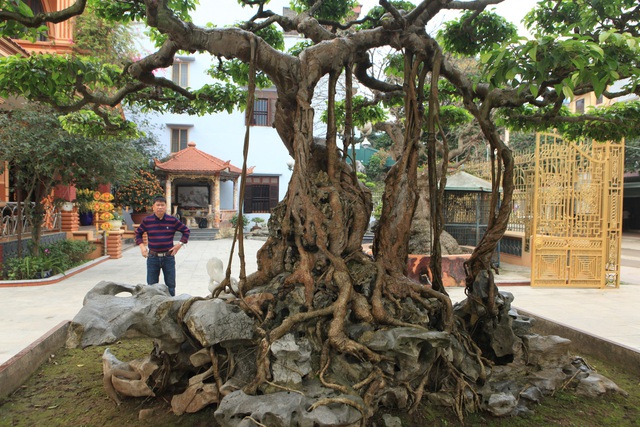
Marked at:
<point>161,232</point>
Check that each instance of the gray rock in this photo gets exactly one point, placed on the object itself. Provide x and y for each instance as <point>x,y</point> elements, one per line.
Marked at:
<point>213,321</point>
<point>547,380</point>
<point>149,310</point>
<point>596,385</point>
<point>284,409</point>
<point>413,349</point>
<point>292,359</point>
<point>543,351</point>
<point>391,421</point>
<point>532,394</point>
<point>501,404</point>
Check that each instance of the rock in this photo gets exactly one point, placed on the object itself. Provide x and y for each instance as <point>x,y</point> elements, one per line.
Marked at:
<point>596,385</point>
<point>391,421</point>
<point>213,321</point>
<point>292,359</point>
<point>532,394</point>
<point>548,380</point>
<point>146,413</point>
<point>194,398</point>
<point>521,324</point>
<point>284,409</point>
<point>501,404</point>
<point>128,379</point>
<point>543,351</point>
<point>105,317</point>
<point>413,349</point>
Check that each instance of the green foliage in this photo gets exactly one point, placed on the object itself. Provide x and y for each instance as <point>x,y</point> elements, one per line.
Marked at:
<point>235,221</point>
<point>608,127</point>
<point>53,78</point>
<point>452,116</point>
<point>209,99</point>
<point>332,10</point>
<point>257,221</point>
<point>91,125</point>
<point>128,11</point>
<point>108,40</point>
<point>56,258</point>
<point>378,11</point>
<point>363,112</point>
<point>375,169</point>
<point>470,35</point>
<point>297,48</point>
<point>15,30</point>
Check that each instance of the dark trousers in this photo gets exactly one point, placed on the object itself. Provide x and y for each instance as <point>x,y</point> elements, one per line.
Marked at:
<point>168,266</point>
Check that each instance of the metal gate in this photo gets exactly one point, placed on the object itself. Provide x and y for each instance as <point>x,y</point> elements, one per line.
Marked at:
<point>576,227</point>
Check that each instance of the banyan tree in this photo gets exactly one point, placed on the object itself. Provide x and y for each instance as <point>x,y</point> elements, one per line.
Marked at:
<point>372,338</point>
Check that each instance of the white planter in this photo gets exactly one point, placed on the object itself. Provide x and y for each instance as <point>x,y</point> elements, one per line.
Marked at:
<point>67,206</point>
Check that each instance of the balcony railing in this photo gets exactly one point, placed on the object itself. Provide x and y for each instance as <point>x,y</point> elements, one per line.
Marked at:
<point>10,220</point>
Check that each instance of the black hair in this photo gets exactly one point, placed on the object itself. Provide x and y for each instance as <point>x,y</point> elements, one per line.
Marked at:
<point>159,199</point>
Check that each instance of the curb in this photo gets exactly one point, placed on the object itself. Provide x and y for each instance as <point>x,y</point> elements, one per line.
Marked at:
<point>17,370</point>
<point>581,341</point>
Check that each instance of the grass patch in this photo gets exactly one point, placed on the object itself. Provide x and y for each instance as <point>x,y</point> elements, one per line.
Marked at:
<point>67,390</point>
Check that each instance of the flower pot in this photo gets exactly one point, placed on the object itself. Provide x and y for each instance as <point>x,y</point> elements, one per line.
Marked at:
<point>86,218</point>
<point>115,224</point>
<point>67,206</point>
<point>137,217</point>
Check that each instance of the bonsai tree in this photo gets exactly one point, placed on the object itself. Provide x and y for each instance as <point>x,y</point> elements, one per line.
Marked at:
<point>258,222</point>
<point>314,282</point>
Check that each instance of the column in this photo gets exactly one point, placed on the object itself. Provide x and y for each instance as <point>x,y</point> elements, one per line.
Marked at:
<point>167,193</point>
<point>216,201</point>
<point>235,194</point>
<point>70,220</point>
<point>114,244</point>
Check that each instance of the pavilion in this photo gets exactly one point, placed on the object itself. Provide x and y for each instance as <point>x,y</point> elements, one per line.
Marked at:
<point>197,186</point>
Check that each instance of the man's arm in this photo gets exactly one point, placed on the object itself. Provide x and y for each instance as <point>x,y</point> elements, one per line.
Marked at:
<point>139,242</point>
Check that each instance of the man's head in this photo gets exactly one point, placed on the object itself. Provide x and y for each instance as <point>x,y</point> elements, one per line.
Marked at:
<point>159,206</point>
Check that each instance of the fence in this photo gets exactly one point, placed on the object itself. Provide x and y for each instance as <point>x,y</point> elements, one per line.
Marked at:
<point>11,220</point>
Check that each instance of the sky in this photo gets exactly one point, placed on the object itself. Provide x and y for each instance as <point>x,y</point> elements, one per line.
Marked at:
<point>222,12</point>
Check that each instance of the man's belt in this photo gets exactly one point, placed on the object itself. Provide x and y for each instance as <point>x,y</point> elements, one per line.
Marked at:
<point>160,254</point>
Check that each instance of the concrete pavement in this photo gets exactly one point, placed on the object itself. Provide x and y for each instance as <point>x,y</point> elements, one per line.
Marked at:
<point>27,313</point>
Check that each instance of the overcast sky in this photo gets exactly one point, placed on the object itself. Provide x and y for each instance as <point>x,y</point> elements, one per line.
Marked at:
<point>223,12</point>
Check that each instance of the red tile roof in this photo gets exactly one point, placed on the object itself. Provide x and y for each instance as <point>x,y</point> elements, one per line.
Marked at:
<point>195,161</point>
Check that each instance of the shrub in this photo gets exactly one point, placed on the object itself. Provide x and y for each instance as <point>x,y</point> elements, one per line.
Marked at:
<point>234,220</point>
<point>57,258</point>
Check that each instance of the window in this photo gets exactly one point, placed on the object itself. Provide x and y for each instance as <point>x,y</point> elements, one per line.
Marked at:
<point>179,138</point>
<point>260,112</point>
<point>264,108</point>
<point>261,193</point>
<point>580,106</point>
<point>600,99</point>
<point>180,74</point>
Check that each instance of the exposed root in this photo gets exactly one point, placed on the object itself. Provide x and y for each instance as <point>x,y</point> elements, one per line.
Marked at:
<point>343,400</point>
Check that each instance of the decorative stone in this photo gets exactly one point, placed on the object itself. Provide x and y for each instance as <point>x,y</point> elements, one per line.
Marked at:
<point>501,404</point>
<point>596,385</point>
<point>550,350</point>
<point>128,379</point>
<point>105,318</point>
<point>285,409</point>
<point>292,359</point>
<point>213,321</point>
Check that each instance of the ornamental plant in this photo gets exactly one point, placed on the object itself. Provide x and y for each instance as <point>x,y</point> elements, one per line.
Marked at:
<point>104,209</point>
<point>84,200</point>
<point>139,192</point>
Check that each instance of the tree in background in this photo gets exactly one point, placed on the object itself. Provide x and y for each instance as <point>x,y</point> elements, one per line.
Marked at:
<point>40,155</point>
<point>315,247</point>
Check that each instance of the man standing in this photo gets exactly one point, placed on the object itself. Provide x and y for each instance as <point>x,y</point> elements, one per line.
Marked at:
<point>160,255</point>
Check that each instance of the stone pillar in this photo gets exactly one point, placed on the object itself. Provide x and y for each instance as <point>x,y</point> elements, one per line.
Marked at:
<point>114,244</point>
<point>235,194</point>
<point>167,193</point>
<point>70,220</point>
<point>216,201</point>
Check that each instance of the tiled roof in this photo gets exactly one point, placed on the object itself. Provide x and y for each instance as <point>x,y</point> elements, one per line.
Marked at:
<point>192,160</point>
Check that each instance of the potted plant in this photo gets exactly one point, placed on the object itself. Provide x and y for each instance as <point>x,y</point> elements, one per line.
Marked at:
<point>138,194</point>
<point>84,201</point>
<point>257,221</point>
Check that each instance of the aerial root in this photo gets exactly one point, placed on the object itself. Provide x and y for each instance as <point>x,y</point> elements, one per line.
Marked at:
<point>418,393</point>
<point>327,362</point>
<point>375,373</point>
<point>216,373</point>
